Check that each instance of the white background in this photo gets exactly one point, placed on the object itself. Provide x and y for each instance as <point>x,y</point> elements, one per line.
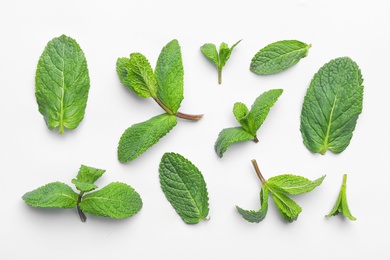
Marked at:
<point>31,155</point>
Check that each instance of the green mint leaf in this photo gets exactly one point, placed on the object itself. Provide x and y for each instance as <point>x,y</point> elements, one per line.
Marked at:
<point>86,178</point>
<point>293,184</point>
<point>62,84</point>
<point>332,106</point>
<point>256,216</point>
<point>341,205</point>
<point>116,200</point>
<point>262,106</point>
<point>224,53</point>
<point>184,187</point>
<point>244,117</point>
<point>122,69</point>
<point>170,76</point>
<point>288,208</point>
<point>278,56</point>
<point>140,137</point>
<point>52,195</point>
<point>229,136</point>
<point>210,51</point>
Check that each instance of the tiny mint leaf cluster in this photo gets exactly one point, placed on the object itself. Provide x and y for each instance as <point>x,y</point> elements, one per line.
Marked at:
<point>116,200</point>
<point>164,85</point>
<point>341,205</point>
<point>280,187</point>
<point>218,58</point>
<point>250,121</point>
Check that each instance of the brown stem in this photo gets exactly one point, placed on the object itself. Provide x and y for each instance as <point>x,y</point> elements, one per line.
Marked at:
<point>81,213</point>
<point>189,117</point>
<point>163,106</point>
<point>263,181</point>
<point>255,139</point>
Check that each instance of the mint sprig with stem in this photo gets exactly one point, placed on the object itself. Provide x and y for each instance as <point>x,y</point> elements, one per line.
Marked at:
<point>116,200</point>
<point>341,205</point>
<point>164,85</point>
<point>280,187</point>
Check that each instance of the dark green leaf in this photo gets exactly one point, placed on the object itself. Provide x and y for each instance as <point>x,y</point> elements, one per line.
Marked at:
<point>256,216</point>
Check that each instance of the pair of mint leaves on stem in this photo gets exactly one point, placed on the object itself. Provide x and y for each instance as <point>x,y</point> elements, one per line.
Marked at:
<point>164,85</point>
<point>116,200</point>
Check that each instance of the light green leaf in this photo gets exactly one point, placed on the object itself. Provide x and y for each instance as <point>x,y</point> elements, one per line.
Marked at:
<point>122,69</point>
<point>86,178</point>
<point>170,76</point>
<point>262,106</point>
<point>288,209</point>
<point>278,56</point>
<point>116,200</point>
<point>210,51</point>
<point>332,106</point>
<point>256,216</point>
<point>184,187</point>
<point>293,184</point>
<point>244,117</point>
<point>224,53</point>
<point>52,195</point>
<point>229,136</point>
<point>62,84</point>
<point>341,205</point>
<point>140,137</point>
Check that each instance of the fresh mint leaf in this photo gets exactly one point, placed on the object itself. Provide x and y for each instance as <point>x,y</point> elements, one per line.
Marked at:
<point>140,137</point>
<point>341,205</point>
<point>218,58</point>
<point>293,184</point>
<point>52,195</point>
<point>288,208</point>
<point>62,84</point>
<point>278,56</point>
<point>116,200</point>
<point>249,120</point>
<point>256,216</point>
<point>86,178</point>
<point>170,76</point>
<point>332,105</point>
<point>184,187</point>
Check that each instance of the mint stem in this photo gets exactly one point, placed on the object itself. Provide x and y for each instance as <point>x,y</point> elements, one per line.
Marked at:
<point>81,214</point>
<point>255,139</point>
<point>263,181</point>
<point>178,114</point>
<point>219,76</point>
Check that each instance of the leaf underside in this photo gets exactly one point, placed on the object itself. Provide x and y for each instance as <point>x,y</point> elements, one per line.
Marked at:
<point>332,105</point>
<point>140,137</point>
<point>293,184</point>
<point>229,136</point>
<point>62,84</point>
<point>256,216</point>
<point>184,187</point>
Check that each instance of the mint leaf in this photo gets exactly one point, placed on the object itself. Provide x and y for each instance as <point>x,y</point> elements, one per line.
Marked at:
<point>52,195</point>
<point>184,187</point>
<point>218,58</point>
<point>278,56</point>
<point>341,205</point>
<point>122,69</point>
<point>116,200</point>
<point>256,216</point>
<point>86,178</point>
<point>229,136</point>
<point>170,76</point>
<point>249,120</point>
<point>332,106</point>
<point>62,84</point>
<point>140,137</point>
<point>293,184</point>
<point>288,209</point>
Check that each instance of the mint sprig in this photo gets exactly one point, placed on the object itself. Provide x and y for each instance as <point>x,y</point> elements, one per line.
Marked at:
<point>250,121</point>
<point>218,58</point>
<point>341,205</point>
<point>164,85</point>
<point>280,187</point>
<point>116,200</point>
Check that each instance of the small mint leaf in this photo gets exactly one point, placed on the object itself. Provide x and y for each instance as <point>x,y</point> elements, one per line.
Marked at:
<point>229,136</point>
<point>288,208</point>
<point>256,216</point>
<point>341,205</point>
<point>293,184</point>
<point>210,51</point>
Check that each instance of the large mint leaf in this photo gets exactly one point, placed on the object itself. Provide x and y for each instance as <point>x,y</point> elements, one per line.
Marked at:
<point>256,216</point>
<point>293,184</point>
<point>341,205</point>
<point>52,195</point>
<point>170,76</point>
<point>86,178</point>
<point>116,200</point>
<point>62,84</point>
<point>262,106</point>
<point>140,137</point>
<point>184,187</point>
<point>332,106</point>
<point>229,136</point>
<point>278,56</point>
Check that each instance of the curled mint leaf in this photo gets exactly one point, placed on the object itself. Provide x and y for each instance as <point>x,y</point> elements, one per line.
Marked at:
<point>62,84</point>
<point>332,105</point>
<point>278,56</point>
<point>250,121</point>
<point>341,205</point>
<point>184,187</point>
<point>256,216</point>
